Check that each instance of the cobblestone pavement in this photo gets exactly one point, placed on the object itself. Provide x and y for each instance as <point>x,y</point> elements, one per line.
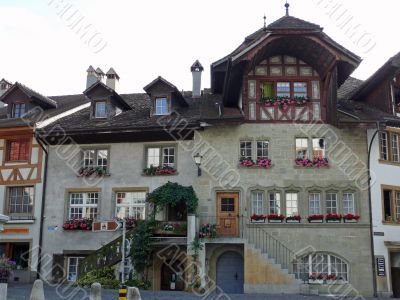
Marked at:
<point>22,292</point>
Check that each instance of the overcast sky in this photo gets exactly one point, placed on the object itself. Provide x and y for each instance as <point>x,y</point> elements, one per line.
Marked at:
<point>144,39</point>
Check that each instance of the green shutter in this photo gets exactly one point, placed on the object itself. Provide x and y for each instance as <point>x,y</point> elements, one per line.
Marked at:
<point>268,89</point>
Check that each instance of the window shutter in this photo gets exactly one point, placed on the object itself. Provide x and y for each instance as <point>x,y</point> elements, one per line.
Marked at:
<point>268,89</point>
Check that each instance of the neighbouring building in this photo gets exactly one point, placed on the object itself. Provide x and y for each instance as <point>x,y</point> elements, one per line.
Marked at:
<point>378,99</point>
<point>22,172</point>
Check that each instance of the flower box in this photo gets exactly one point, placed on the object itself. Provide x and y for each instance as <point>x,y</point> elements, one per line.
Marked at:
<point>258,218</point>
<point>350,218</point>
<point>333,221</point>
<point>283,102</point>
<point>274,218</point>
<point>208,231</point>
<point>246,162</point>
<point>316,219</point>
<point>78,224</point>
<point>264,163</point>
<point>161,170</point>
<point>333,218</point>
<point>92,171</point>
<point>293,219</point>
<point>316,162</point>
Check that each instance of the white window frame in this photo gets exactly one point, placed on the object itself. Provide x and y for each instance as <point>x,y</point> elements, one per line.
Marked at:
<point>100,112</point>
<point>349,209</point>
<point>94,156</point>
<point>135,205</point>
<point>330,208</point>
<point>264,148</point>
<point>76,266</point>
<point>257,202</point>
<point>300,93</point>
<point>19,200</point>
<point>245,148</point>
<point>394,141</point>
<point>284,92</point>
<point>314,202</point>
<point>161,106</point>
<point>292,205</point>
<point>274,202</point>
<point>316,147</point>
<point>383,146</point>
<point>14,110</point>
<point>300,147</point>
<point>85,206</point>
<point>161,156</point>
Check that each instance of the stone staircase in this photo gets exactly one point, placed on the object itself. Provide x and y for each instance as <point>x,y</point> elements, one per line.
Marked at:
<point>269,264</point>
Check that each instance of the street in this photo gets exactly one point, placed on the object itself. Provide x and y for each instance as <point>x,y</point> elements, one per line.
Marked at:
<point>22,292</point>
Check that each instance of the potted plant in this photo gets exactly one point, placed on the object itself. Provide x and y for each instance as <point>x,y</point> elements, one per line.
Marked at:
<point>6,267</point>
<point>316,162</point>
<point>264,163</point>
<point>89,171</point>
<point>316,219</point>
<point>293,219</point>
<point>246,162</point>
<point>208,231</point>
<point>275,218</point>
<point>78,224</point>
<point>258,218</point>
<point>351,218</point>
<point>333,218</point>
<point>160,170</point>
<point>331,278</point>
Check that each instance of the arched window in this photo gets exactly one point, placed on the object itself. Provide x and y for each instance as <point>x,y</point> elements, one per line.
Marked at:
<point>321,266</point>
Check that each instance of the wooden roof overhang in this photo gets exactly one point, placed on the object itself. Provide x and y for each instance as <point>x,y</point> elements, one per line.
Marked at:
<point>313,47</point>
<point>16,132</point>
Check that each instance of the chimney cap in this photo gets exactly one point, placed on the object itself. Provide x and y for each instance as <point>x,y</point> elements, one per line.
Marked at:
<point>100,71</point>
<point>90,69</point>
<point>112,72</point>
<point>196,67</point>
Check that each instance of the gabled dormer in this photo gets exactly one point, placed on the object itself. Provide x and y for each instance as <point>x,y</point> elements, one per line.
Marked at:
<point>20,99</point>
<point>165,97</point>
<point>105,101</point>
<point>4,86</point>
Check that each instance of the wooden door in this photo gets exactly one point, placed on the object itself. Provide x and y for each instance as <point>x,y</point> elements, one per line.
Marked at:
<point>396,282</point>
<point>228,214</point>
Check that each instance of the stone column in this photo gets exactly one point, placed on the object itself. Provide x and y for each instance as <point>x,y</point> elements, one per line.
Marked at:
<point>133,294</point>
<point>95,291</point>
<point>37,292</point>
<point>3,290</point>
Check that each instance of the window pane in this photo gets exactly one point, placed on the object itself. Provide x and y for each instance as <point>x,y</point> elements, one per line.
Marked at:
<point>83,205</point>
<point>169,156</point>
<point>291,204</point>
<point>245,150</point>
<point>153,157</point>
<point>318,148</point>
<point>383,146</point>
<point>315,203</point>
<point>387,205</point>
<point>257,203</point>
<point>268,89</point>
<point>100,110</point>
<point>331,203</point>
<point>274,203</point>
<point>18,150</point>
<point>131,204</point>
<point>398,206</point>
<point>88,158</point>
<point>348,203</point>
<point>300,89</point>
<point>252,89</point>
<point>102,158</point>
<point>18,110</point>
<point>262,149</point>
<point>161,106</point>
<point>20,200</point>
<point>301,148</point>
<point>283,89</point>
<point>395,147</point>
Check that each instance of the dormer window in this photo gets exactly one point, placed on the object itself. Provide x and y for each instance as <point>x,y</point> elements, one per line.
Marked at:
<point>100,109</point>
<point>3,86</point>
<point>161,106</point>
<point>18,110</point>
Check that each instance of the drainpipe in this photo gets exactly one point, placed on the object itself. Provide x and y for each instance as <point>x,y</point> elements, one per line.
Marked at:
<point>370,208</point>
<point>39,266</point>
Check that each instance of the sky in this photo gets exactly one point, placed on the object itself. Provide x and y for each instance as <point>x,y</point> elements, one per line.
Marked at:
<point>42,47</point>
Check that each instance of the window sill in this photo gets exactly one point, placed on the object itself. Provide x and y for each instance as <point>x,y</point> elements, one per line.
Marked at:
<point>388,162</point>
<point>21,221</point>
<point>311,168</point>
<point>255,167</point>
<point>95,175</point>
<point>391,223</point>
<point>154,175</point>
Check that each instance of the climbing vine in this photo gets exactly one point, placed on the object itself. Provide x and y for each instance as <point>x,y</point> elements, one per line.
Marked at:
<point>141,245</point>
<point>171,194</point>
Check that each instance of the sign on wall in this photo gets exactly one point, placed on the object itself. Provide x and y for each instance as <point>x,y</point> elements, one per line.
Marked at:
<point>380,266</point>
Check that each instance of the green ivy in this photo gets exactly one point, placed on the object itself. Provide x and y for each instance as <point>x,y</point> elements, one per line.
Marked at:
<point>171,194</point>
<point>141,245</point>
<point>104,276</point>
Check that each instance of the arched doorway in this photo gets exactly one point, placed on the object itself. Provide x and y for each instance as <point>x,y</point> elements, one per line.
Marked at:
<point>170,272</point>
<point>230,272</point>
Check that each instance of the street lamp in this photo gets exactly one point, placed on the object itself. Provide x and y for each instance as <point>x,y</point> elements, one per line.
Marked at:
<point>197,160</point>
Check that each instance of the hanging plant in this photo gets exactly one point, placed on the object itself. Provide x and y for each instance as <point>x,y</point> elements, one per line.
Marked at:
<point>173,193</point>
<point>283,102</point>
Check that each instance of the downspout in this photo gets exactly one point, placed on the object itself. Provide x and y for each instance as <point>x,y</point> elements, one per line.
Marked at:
<point>370,209</point>
<point>39,266</point>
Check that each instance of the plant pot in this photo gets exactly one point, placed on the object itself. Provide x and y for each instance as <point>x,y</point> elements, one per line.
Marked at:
<point>333,221</point>
<point>293,221</point>
<point>350,220</point>
<point>275,220</point>
<point>258,221</point>
<point>316,221</point>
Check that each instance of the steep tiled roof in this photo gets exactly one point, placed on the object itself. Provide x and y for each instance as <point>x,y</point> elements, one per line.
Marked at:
<point>348,88</point>
<point>289,22</point>
<point>33,94</point>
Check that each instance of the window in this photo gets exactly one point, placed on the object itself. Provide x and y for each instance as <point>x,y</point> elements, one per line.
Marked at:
<point>283,89</point>
<point>315,203</point>
<point>73,265</point>
<point>257,203</point>
<point>268,89</point>
<point>131,204</point>
<point>301,148</point>
<point>18,150</point>
<point>318,148</point>
<point>262,149</point>
<point>252,89</point>
<point>300,89</point>
<point>395,147</point>
<point>245,150</point>
<point>391,204</point>
<point>275,203</point>
<point>95,158</point>
<point>331,203</point>
<point>321,264</point>
<point>161,156</point>
<point>348,203</point>
<point>20,201</point>
<point>228,204</point>
<point>291,204</point>
<point>18,110</point>
<point>100,109</point>
<point>3,86</point>
<point>162,106</point>
<point>83,205</point>
<point>383,145</point>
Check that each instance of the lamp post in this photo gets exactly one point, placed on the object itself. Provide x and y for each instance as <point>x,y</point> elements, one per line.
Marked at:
<point>197,160</point>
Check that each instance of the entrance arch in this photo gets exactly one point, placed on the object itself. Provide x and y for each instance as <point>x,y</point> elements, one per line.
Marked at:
<point>230,272</point>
